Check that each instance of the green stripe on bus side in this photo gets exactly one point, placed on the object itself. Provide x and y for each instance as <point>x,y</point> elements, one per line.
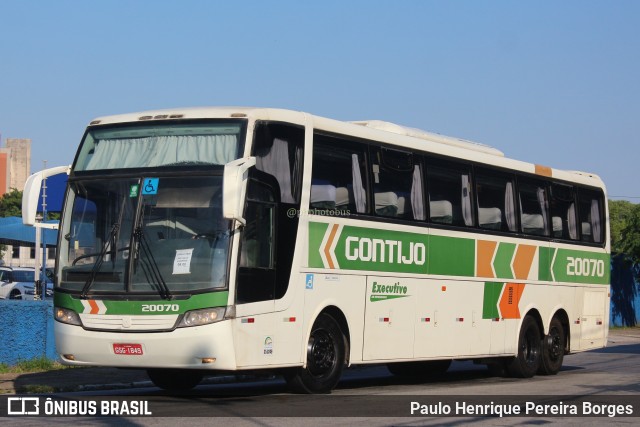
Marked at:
<point>316,234</point>
<point>212,299</point>
<point>575,266</point>
<point>371,249</point>
<point>492,291</point>
<point>452,256</point>
<point>360,248</point>
<point>545,255</point>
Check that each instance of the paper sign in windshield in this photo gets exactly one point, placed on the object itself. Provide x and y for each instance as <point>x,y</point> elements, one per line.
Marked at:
<point>182,261</point>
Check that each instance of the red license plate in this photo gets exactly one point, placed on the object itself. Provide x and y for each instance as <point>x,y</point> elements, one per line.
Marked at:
<point>128,349</point>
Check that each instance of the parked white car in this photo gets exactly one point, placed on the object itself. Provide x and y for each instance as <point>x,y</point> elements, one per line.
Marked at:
<point>19,283</point>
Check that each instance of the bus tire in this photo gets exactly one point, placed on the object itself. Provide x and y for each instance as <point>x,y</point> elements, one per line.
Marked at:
<point>325,359</point>
<point>527,361</point>
<point>420,370</point>
<point>15,294</point>
<point>175,379</point>
<point>553,345</point>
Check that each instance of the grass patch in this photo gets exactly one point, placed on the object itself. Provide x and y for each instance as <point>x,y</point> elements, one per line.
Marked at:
<point>32,365</point>
<point>36,389</point>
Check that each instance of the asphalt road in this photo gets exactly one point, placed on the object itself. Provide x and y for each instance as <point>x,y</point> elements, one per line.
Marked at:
<point>607,379</point>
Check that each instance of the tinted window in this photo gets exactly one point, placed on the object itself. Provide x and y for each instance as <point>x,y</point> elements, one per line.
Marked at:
<point>563,212</point>
<point>449,189</point>
<point>338,182</point>
<point>397,184</point>
<point>496,208</point>
<point>532,196</point>
<point>278,152</point>
<point>591,215</point>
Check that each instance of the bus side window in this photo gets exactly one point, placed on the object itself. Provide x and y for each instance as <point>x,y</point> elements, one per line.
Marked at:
<point>496,205</point>
<point>534,216</point>
<point>449,189</point>
<point>590,214</point>
<point>337,177</point>
<point>278,152</point>
<point>563,212</point>
<point>397,184</point>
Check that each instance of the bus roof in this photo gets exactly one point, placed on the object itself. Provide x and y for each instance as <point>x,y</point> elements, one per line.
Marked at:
<point>377,130</point>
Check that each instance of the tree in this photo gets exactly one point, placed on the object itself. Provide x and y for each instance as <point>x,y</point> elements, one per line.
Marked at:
<point>624,219</point>
<point>11,203</point>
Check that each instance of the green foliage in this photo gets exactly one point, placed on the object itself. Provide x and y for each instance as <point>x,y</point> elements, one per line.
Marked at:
<point>11,204</point>
<point>624,219</point>
<point>33,365</point>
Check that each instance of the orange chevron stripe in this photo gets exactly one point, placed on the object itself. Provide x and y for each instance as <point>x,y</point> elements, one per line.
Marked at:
<point>510,300</point>
<point>327,247</point>
<point>523,260</point>
<point>484,256</point>
<point>94,307</point>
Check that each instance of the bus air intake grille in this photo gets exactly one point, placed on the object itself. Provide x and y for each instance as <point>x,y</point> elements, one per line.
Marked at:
<point>125,323</point>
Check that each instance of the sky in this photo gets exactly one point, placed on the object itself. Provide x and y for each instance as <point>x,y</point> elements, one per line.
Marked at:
<point>549,82</point>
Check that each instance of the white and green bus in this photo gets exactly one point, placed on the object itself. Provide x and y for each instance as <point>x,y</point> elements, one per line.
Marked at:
<point>242,239</point>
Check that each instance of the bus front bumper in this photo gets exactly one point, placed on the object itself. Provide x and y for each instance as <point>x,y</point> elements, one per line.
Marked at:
<point>199,347</point>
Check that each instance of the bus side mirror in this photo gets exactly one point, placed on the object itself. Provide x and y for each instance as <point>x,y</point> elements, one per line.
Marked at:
<point>31,192</point>
<point>234,188</point>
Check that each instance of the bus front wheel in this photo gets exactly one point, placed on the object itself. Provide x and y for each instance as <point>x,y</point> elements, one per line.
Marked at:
<point>325,359</point>
<point>175,379</point>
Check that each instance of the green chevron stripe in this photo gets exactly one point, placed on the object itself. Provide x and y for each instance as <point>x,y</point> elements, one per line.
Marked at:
<point>502,262</point>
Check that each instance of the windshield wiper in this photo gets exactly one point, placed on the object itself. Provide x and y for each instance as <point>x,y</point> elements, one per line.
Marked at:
<point>150,266</point>
<point>96,266</point>
<point>112,241</point>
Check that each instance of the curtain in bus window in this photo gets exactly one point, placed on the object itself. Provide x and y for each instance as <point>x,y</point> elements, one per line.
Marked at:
<point>163,150</point>
<point>466,201</point>
<point>595,221</point>
<point>416,195</point>
<point>276,163</point>
<point>358,189</point>
<point>543,205</point>
<point>571,220</point>
<point>510,206</point>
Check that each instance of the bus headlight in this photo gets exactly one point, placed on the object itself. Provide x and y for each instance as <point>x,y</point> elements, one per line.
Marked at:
<point>202,317</point>
<point>65,315</point>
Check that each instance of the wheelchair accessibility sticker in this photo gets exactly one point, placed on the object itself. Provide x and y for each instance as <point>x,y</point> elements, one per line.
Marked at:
<point>150,186</point>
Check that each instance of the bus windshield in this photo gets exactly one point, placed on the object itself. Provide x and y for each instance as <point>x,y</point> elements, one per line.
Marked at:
<point>172,144</point>
<point>145,235</point>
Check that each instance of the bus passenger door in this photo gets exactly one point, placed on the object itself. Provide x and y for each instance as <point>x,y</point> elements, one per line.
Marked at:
<point>256,275</point>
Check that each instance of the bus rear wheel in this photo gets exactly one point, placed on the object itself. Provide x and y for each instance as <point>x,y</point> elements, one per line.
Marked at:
<point>553,345</point>
<point>527,361</point>
<point>175,379</point>
<point>325,359</point>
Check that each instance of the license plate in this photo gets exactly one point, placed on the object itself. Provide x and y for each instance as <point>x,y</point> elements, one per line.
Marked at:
<point>128,349</point>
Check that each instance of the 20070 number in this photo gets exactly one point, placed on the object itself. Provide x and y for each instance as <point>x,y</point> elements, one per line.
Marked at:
<point>585,267</point>
<point>160,307</point>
